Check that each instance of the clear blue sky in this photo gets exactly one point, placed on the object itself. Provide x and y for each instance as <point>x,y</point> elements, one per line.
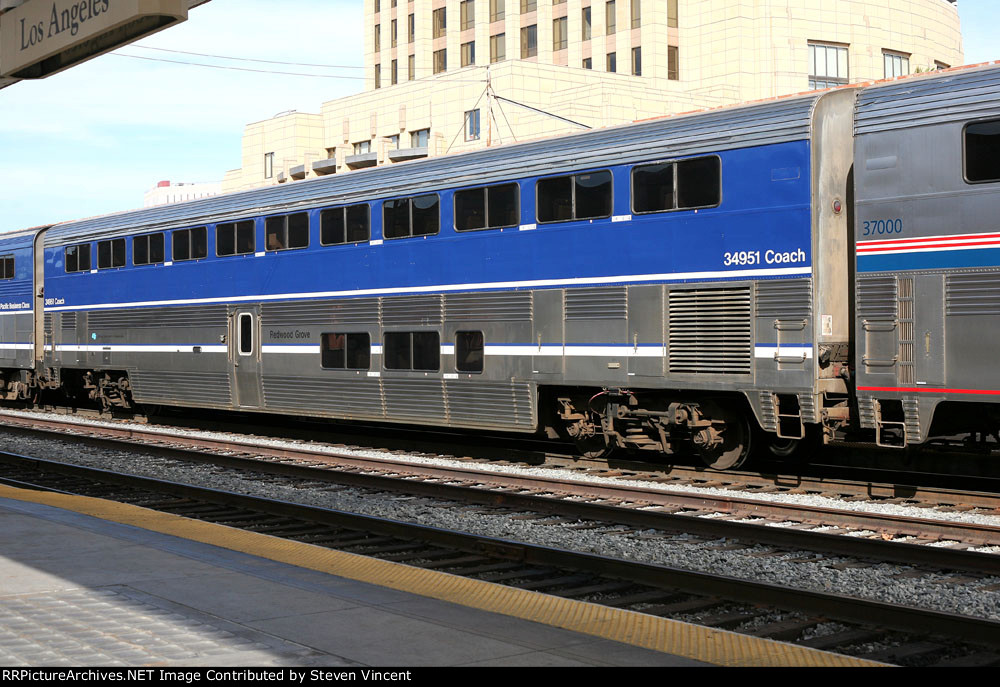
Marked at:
<point>93,139</point>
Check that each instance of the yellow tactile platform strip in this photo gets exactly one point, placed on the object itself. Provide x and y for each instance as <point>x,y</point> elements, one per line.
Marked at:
<point>650,632</point>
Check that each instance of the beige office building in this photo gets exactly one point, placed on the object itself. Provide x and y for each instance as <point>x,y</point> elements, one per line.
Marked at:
<point>446,76</point>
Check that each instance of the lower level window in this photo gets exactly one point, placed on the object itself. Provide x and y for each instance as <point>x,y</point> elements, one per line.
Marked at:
<point>412,351</point>
<point>469,351</point>
<point>346,351</point>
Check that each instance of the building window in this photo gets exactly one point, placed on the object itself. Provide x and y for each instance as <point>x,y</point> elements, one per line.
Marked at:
<point>468,53</point>
<point>579,196</point>
<point>896,64</point>
<point>346,351</point>
<point>559,28</point>
<point>588,63</point>
<point>529,41</point>
<point>469,351</point>
<point>77,258</point>
<point>982,152</point>
<point>378,76</point>
<point>610,18</point>
<point>487,207</point>
<point>528,6</point>
<point>412,351</point>
<point>268,165</point>
<point>472,125</point>
<point>287,231</point>
<point>394,142</point>
<point>148,249</point>
<point>440,60</point>
<point>498,48</point>
<point>681,185</point>
<point>673,68</point>
<point>612,62</point>
<point>440,22</point>
<point>420,138</point>
<point>411,67</point>
<point>394,73</point>
<point>467,14</point>
<point>558,2</point>
<point>672,13</point>
<point>378,37</point>
<point>351,224</point>
<point>378,6</point>
<point>636,61</point>
<point>362,148</point>
<point>235,238</point>
<point>392,34</point>
<point>636,6</point>
<point>110,253</point>
<point>7,267</point>
<point>411,28</point>
<point>827,65</point>
<point>941,65</point>
<point>497,10</point>
<point>190,244</point>
<point>585,31</point>
<point>415,216</point>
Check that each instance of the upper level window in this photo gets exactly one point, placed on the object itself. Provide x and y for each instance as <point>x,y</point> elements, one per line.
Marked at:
<point>349,224</point>
<point>78,258</point>
<point>497,10</point>
<point>680,185</point>
<point>472,125</point>
<point>378,37</point>
<point>362,147</point>
<point>672,13</point>
<point>416,216</point>
<point>268,165</point>
<point>468,53</point>
<point>487,207</point>
<point>235,238</point>
<point>610,17</point>
<point>110,253</point>
<point>559,33</point>
<point>190,244</point>
<point>412,351</point>
<point>7,267</point>
<point>896,64</point>
<point>439,22</point>
<point>148,249</point>
<point>287,231</point>
<point>498,48</point>
<point>827,65</point>
<point>579,196</point>
<point>982,151</point>
<point>585,24</point>
<point>346,351</point>
<point>528,6</point>
<point>420,138</point>
<point>467,14</point>
<point>529,41</point>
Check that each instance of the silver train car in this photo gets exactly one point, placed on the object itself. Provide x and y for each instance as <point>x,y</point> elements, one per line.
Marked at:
<point>808,267</point>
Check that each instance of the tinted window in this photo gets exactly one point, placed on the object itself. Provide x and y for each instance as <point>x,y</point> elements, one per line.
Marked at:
<point>469,351</point>
<point>412,351</point>
<point>581,196</point>
<point>698,183</point>
<point>78,258</point>
<point>489,207</point>
<point>190,244</point>
<point>287,232</point>
<point>110,253</point>
<point>416,216</point>
<point>982,151</point>
<point>681,185</point>
<point>349,224</point>
<point>246,334</point>
<point>346,351</point>
<point>653,188</point>
<point>7,267</point>
<point>147,250</point>
<point>235,238</point>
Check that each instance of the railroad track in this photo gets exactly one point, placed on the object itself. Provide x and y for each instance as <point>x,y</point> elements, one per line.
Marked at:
<point>820,620</point>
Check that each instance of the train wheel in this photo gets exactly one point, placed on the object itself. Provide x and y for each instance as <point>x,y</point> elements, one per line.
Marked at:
<point>734,447</point>
<point>593,447</point>
<point>783,448</point>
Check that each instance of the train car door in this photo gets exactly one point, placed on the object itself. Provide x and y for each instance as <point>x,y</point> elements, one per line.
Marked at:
<point>244,356</point>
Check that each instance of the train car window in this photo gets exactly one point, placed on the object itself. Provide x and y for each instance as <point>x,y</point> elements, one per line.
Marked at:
<point>699,183</point>
<point>681,185</point>
<point>419,351</point>
<point>246,334</point>
<point>235,238</point>
<point>415,216</point>
<point>982,151</point>
<point>148,249</point>
<point>346,351</point>
<point>350,224</point>
<point>7,267</point>
<point>287,232</point>
<point>190,244</point>
<point>579,196</point>
<point>487,207</point>
<point>78,258</point>
<point>469,351</point>
<point>110,253</point>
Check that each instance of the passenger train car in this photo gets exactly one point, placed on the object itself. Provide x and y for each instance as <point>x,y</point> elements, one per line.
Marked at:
<point>804,266</point>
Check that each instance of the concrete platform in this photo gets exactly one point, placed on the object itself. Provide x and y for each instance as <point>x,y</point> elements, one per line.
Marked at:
<point>79,590</point>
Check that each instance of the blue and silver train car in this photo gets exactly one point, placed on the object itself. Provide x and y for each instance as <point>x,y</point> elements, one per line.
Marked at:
<point>928,256</point>
<point>20,292</point>
<point>667,285</point>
